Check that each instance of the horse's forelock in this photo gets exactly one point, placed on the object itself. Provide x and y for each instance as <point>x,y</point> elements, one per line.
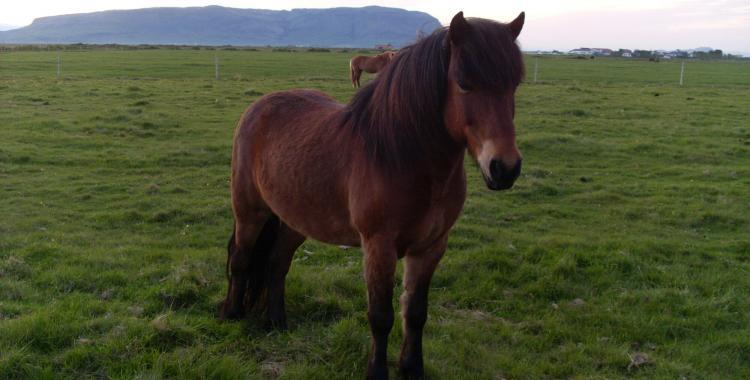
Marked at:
<point>490,59</point>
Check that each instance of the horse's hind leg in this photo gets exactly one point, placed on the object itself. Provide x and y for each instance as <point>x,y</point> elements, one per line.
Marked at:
<point>352,71</point>
<point>357,75</point>
<point>282,253</point>
<point>247,233</point>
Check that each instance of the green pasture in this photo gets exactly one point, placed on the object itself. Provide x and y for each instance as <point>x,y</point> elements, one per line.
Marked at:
<point>623,250</point>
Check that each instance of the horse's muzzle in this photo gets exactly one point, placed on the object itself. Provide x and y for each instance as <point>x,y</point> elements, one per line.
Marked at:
<point>501,176</point>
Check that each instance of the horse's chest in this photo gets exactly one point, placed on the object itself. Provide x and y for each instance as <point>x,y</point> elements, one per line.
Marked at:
<point>439,215</point>
<point>440,218</point>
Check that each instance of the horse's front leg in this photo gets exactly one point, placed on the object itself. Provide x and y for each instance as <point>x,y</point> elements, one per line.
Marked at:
<point>380,263</point>
<point>418,270</point>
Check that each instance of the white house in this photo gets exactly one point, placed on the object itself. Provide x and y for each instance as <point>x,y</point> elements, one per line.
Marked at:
<point>581,51</point>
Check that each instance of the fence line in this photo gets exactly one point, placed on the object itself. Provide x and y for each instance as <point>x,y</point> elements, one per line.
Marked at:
<point>536,72</point>
<point>558,69</point>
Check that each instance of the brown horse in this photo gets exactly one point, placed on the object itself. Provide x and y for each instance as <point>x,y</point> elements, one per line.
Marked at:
<point>385,172</point>
<point>367,64</point>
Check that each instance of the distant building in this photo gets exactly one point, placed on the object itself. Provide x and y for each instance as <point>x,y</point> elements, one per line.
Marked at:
<point>625,53</point>
<point>581,51</point>
<point>384,47</point>
<point>672,54</point>
<point>679,53</point>
<point>661,54</point>
<point>602,52</point>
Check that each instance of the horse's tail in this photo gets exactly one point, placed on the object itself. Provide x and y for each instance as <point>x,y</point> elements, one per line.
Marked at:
<point>259,261</point>
<point>230,245</point>
<point>352,74</point>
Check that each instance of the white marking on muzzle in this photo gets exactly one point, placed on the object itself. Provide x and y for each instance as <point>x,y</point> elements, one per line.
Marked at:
<point>486,153</point>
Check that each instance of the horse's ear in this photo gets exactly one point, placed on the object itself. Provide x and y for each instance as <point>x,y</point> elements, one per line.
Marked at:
<point>459,28</point>
<point>517,24</point>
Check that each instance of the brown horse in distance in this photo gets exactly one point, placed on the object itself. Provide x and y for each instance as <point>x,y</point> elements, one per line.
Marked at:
<point>367,64</point>
<point>384,172</point>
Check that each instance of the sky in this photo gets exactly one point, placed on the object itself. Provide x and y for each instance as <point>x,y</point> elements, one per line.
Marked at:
<point>550,24</point>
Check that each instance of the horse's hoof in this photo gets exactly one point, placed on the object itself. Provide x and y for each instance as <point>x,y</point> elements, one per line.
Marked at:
<point>278,324</point>
<point>229,314</point>
<point>411,373</point>
<point>411,369</point>
<point>232,316</point>
<point>377,373</point>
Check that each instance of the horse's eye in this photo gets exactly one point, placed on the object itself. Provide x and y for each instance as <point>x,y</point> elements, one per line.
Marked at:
<point>464,88</point>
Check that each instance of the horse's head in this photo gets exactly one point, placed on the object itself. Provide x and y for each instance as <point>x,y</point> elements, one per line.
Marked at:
<point>485,68</point>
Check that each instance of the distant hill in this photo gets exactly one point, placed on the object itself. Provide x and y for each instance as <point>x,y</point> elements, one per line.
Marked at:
<point>214,25</point>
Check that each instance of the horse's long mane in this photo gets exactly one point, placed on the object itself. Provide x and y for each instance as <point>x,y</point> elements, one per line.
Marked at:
<point>400,110</point>
<point>399,115</point>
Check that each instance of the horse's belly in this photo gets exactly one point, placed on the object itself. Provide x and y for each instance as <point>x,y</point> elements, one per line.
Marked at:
<point>325,228</point>
<point>317,222</point>
<point>313,207</point>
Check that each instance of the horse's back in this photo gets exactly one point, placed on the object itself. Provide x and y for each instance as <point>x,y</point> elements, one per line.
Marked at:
<point>358,61</point>
<point>284,120</point>
<point>285,115</point>
<point>284,104</point>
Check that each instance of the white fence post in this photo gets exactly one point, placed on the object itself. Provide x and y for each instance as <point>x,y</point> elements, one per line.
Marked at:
<point>216,63</point>
<point>682,72</point>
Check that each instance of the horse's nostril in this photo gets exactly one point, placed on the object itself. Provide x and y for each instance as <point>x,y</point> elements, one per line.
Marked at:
<point>516,171</point>
<point>497,169</point>
<point>500,172</point>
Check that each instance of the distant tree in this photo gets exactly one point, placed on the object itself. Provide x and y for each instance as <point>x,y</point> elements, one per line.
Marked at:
<point>643,54</point>
<point>716,54</point>
<point>620,52</point>
<point>701,55</point>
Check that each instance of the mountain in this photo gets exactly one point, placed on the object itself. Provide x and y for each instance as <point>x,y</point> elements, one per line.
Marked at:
<point>214,25</point>
<point>7,27</point>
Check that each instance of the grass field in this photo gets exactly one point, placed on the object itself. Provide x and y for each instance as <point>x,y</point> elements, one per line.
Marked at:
<point>626,240</point>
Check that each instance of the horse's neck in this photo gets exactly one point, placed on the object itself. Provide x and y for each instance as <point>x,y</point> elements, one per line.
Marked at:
<point>444,161</point>
<point>446,174</point>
